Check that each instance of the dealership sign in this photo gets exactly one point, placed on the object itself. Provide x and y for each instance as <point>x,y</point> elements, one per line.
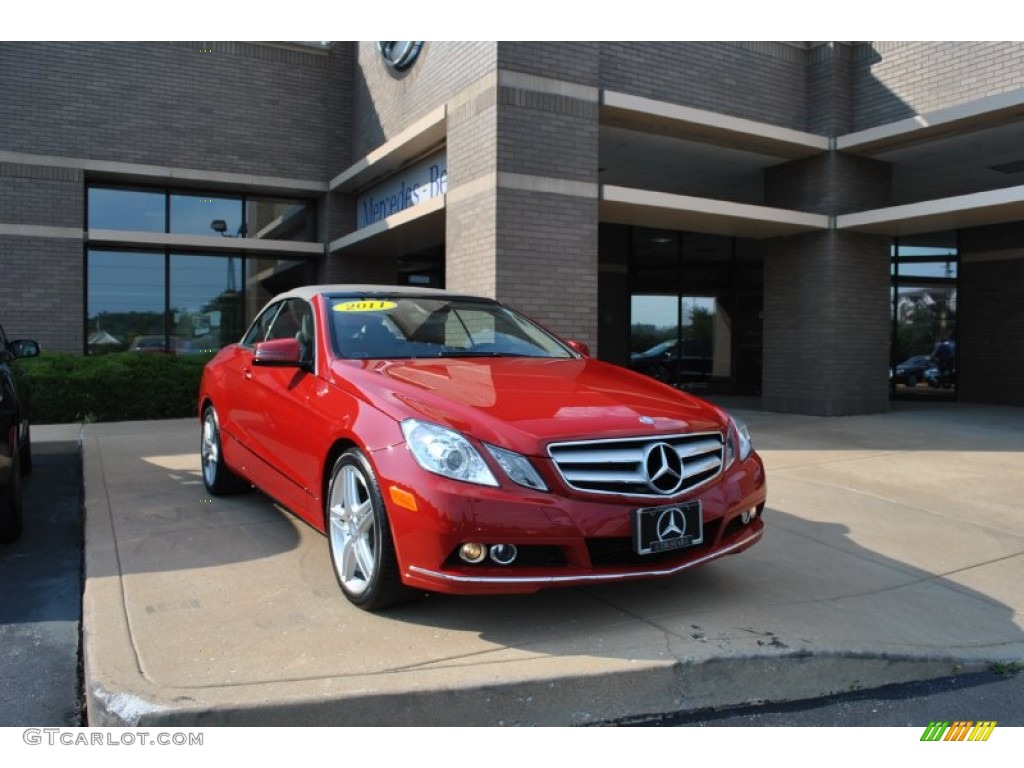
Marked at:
<point>416,184</point>
<point>399,55</point>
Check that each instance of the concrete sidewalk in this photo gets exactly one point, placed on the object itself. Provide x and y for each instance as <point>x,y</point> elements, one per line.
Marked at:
<point>894,552</point>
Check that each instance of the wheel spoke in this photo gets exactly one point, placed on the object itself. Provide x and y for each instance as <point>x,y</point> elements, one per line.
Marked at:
<point>363,518</point>
<point>364,557</point>
<point>349,561</point>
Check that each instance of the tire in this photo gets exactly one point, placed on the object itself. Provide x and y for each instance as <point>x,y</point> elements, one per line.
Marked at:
<point>25,455</point>
<point>359,536</point>
<point>218,479</point>
<point>10,504</point>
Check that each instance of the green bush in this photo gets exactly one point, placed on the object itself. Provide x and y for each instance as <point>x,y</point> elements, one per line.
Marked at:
<point>124,386</point>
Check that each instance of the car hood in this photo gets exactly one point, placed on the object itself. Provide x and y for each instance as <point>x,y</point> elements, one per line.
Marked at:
<point>525,403</point>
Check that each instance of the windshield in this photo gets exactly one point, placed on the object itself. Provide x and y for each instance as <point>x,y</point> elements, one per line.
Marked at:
<point>390,327</point>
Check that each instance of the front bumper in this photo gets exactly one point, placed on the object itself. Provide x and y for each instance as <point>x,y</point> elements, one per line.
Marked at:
<point>564,537</point>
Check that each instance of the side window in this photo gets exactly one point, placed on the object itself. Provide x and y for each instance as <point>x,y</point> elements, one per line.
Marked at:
<point>294,320</point>
<point>287,322</point>
<point>299,316</point>
<point>261,326</point>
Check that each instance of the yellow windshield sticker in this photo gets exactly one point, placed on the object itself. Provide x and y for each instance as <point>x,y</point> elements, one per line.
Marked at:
<point>364,305</point>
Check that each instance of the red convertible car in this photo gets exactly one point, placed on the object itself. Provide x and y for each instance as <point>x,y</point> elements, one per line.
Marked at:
<point>447,443</point>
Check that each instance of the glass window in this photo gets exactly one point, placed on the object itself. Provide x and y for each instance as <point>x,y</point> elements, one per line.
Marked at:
<point>261,325</point>
<point>673,338</point>
<point>269,219</point>
<point>206,309</point>
<point>206,215</point>
<point>125,302</point>
<point>924,316</point>
<point>127,209</point>
<point>393,326</point>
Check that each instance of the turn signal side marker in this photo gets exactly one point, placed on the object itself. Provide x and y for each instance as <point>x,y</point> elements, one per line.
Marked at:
<point>403,498</point>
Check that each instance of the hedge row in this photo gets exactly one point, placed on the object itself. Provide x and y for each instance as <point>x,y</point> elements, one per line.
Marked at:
<point>124,386</point>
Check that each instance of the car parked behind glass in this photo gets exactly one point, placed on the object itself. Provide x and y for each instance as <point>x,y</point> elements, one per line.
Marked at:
<point>15,440</point>
<point>911,371</point>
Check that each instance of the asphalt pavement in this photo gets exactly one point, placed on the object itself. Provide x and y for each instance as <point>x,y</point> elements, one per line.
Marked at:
<point>893,553</point>
<point>41,578</point>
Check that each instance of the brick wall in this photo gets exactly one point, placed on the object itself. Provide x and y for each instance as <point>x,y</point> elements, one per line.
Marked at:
<point>896,80</point>
<point>756,80</point>
<point>41,287</point>
<point>572,62</point>
<point>39,195</point>
<point>385,102</point>
<point>234,107</point>
<point>41,291</point>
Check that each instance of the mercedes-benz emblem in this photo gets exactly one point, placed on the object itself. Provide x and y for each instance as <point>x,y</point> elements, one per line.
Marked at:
<point>671,524</point>
<point>399,54</point>
<point>664,468</point>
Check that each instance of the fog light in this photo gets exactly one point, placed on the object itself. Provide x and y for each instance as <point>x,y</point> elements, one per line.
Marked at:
<point>504,554</point>
<point>747,516</point>
<point>472,552</point>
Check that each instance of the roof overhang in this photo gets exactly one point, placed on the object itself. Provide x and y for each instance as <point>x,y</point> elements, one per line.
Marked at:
<point>997,206</point>
<point>638,207</point>
<point>951,121</point>
<point>648,115</point>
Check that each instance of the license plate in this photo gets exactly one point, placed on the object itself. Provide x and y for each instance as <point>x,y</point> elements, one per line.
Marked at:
<point>661,529</point>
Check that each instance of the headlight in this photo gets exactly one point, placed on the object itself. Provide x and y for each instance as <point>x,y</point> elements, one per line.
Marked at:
<point>517,467</point>
<point>446,453</point>
<point>739,445</point>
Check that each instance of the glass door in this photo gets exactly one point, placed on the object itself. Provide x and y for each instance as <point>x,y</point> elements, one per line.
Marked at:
<point>924,349</point>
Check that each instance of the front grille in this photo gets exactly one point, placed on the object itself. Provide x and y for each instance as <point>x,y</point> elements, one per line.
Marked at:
<point>624,466</point>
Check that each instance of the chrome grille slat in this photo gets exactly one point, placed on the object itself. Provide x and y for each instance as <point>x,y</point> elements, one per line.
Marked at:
<point>692,468</point>
<point>601,456</point>
<point>617,466</point>
<point>597,476</point>
<point>698,448</point>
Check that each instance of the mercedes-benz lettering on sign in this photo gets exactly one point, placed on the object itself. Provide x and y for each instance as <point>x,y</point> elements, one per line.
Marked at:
<point>399,54</point>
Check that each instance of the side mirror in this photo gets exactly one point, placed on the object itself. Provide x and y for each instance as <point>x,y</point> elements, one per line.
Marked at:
<point>24,348</point>
<point>284,353</point>
<point>579,346</point>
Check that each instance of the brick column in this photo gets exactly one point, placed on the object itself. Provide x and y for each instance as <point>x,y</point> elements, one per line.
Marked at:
<point>826,294</point>
<point>522,205</point>
<point>826,324</point>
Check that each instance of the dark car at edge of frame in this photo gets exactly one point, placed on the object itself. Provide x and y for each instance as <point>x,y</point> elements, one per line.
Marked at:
<point>15,438</point>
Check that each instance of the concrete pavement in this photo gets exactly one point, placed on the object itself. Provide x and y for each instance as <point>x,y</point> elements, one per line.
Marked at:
<point>894,552</point>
